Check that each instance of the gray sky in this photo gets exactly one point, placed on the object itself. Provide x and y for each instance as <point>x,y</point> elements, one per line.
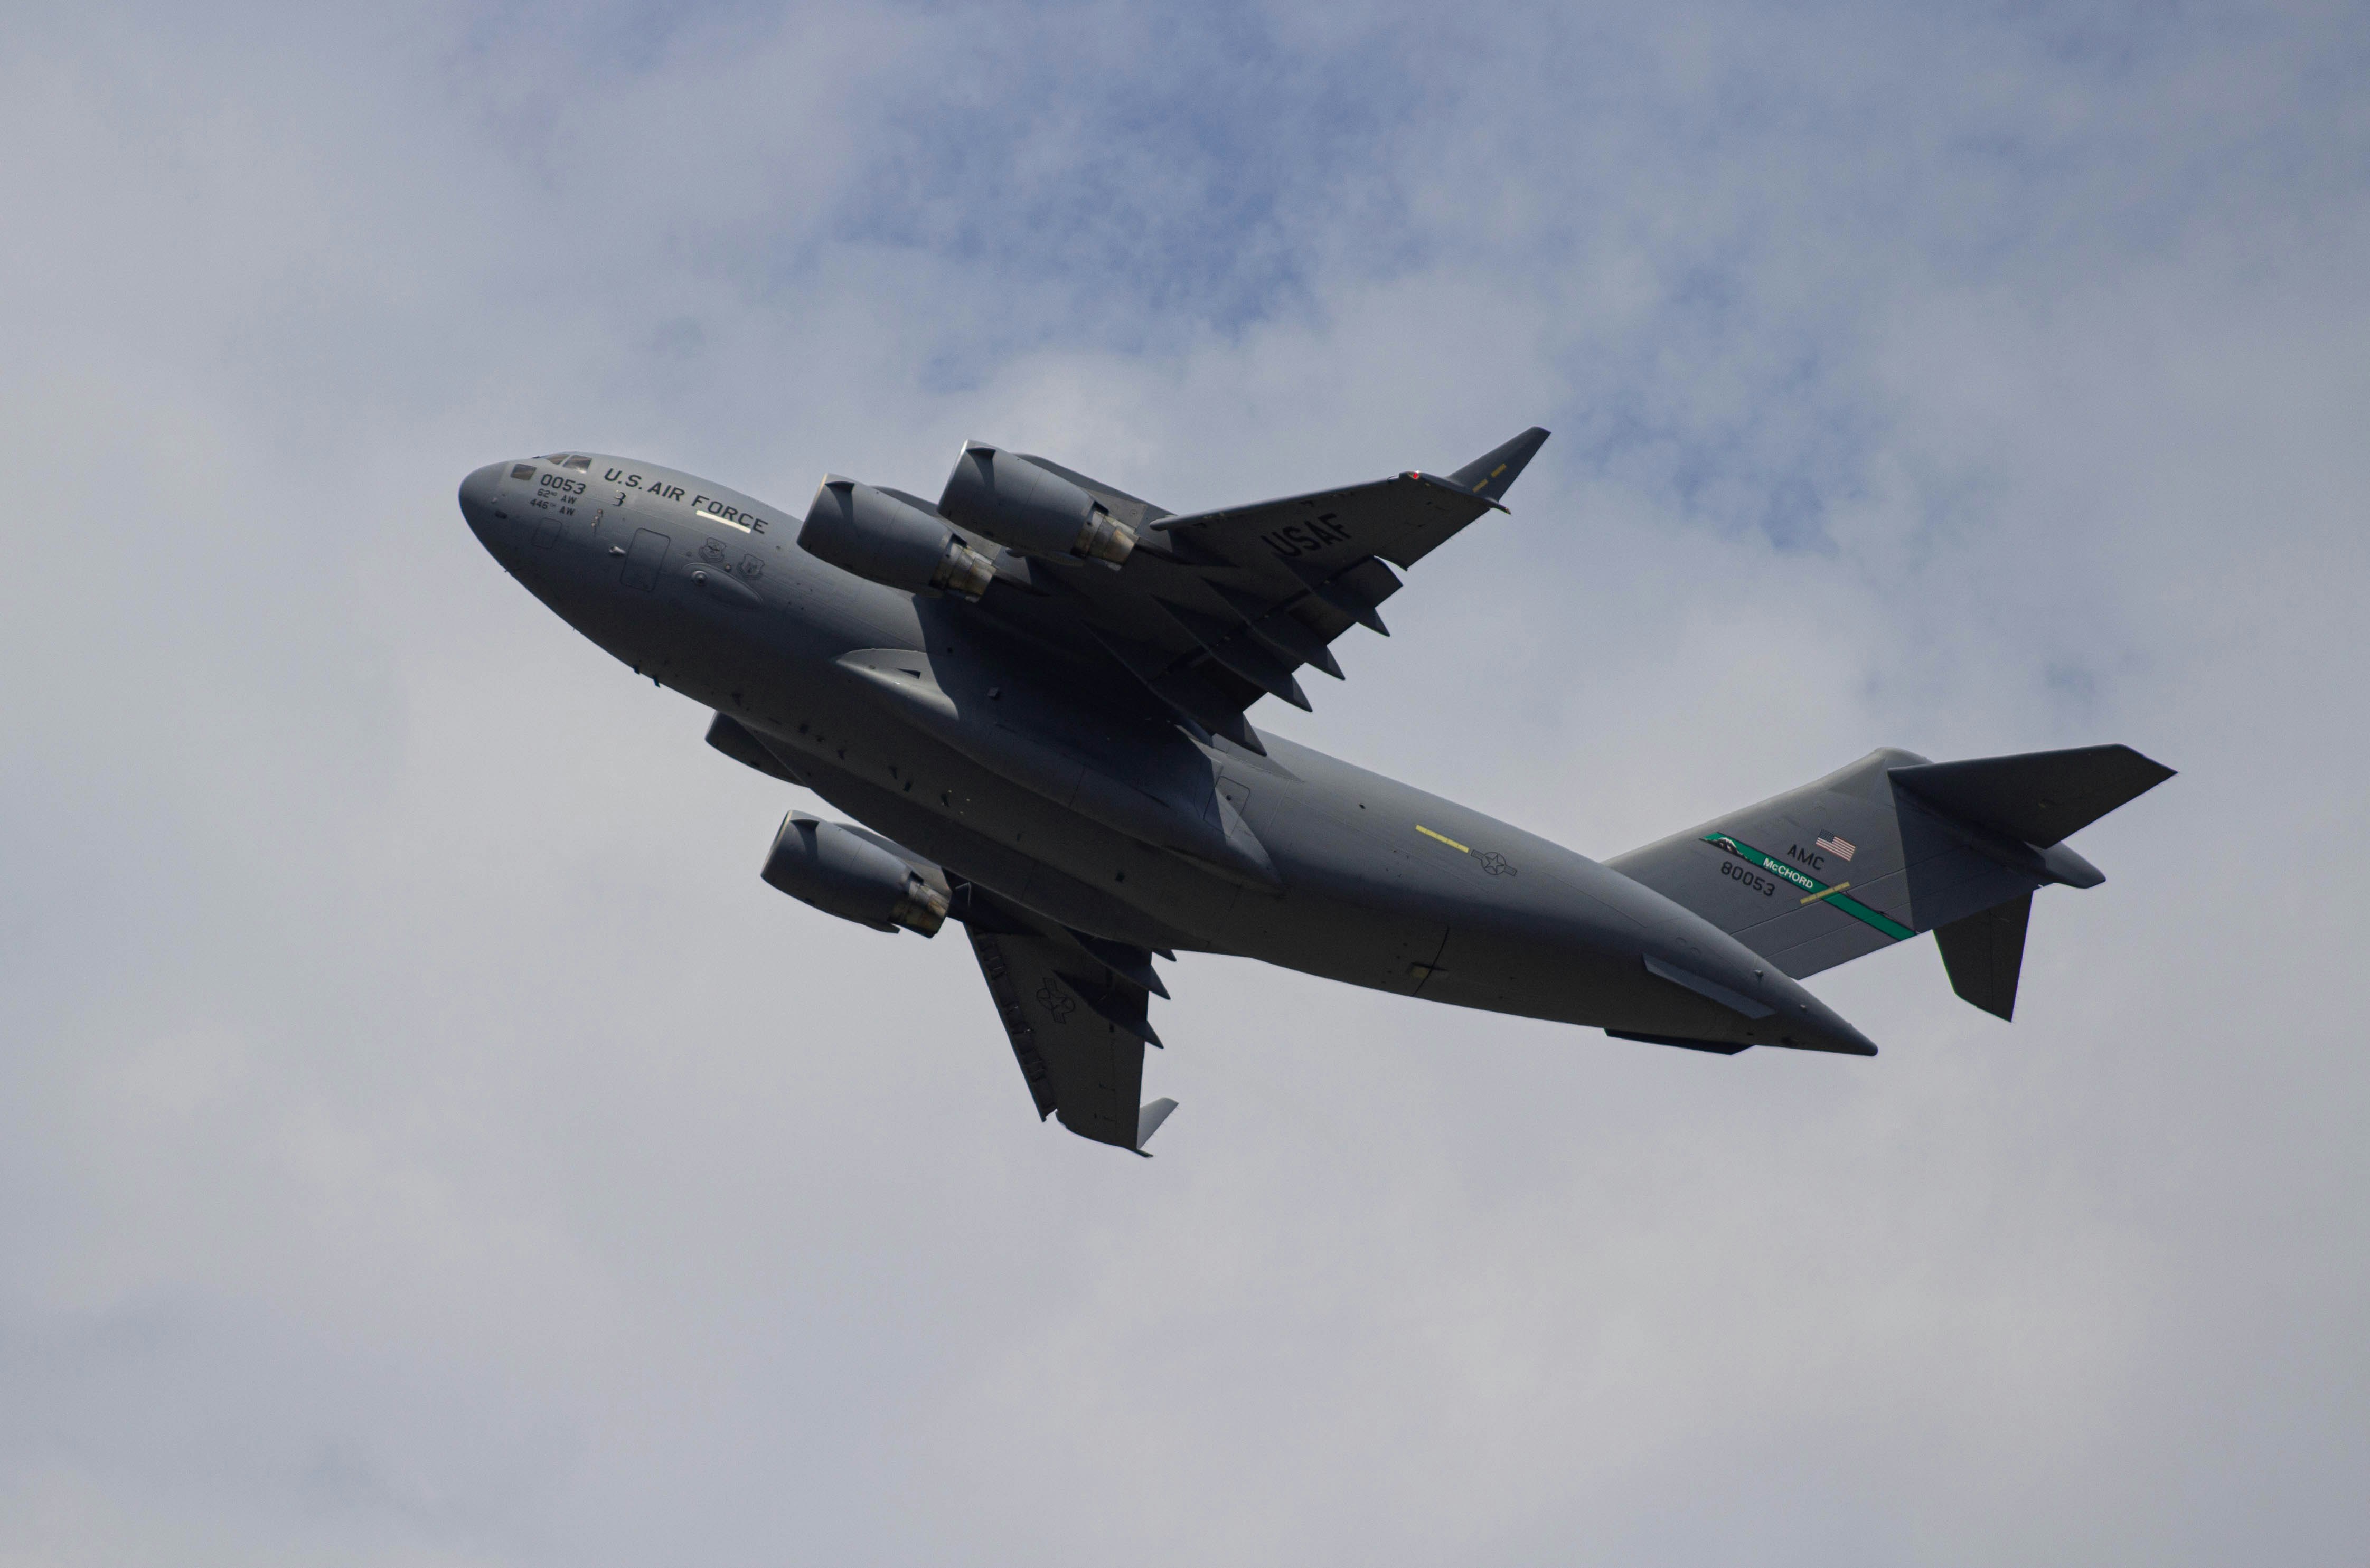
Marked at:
<point>424,1142</point>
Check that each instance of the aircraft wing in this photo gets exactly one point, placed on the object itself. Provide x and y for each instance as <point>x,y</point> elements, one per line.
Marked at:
<point>1213,610</point>
<point>1074,1007</point>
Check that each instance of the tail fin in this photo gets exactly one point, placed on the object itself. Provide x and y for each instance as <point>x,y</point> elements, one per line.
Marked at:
<point>1895,845</point>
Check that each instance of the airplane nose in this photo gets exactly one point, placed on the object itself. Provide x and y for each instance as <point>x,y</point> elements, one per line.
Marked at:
<point>478,502</point>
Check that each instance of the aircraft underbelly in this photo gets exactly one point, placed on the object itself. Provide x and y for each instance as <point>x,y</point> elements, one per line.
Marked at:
<point>1360,943</point>
<point>1397,890</point>
<point>1523,927</point>
<point>983,830</point>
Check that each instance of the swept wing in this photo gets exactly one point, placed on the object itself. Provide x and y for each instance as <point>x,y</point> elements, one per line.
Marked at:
<point>1074,1007</point>
<point>1216,610</point>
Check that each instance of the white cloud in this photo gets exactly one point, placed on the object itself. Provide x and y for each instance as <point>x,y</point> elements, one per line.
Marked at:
<point>422,1139</point>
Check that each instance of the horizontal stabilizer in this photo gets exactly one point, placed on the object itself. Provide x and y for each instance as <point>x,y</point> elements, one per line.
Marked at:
<point>1984,952</point>
<point>2038,797</point>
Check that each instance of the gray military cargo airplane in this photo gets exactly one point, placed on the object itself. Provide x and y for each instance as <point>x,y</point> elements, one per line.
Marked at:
<point>1032,691</point>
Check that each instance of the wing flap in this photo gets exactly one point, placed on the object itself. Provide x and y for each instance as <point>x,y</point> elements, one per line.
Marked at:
<point>1004,989</point>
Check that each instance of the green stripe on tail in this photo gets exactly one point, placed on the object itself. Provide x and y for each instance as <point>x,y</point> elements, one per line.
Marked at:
<point>1810,885</point>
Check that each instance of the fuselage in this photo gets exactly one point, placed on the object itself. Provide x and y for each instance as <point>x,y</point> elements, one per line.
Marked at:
<point>1043,775</point>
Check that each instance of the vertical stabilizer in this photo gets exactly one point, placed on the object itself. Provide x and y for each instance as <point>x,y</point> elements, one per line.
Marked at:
<point>1984,954</point>
<point>1894,846</point>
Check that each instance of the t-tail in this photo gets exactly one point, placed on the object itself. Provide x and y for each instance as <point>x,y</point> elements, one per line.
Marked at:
<point>1894,846</point>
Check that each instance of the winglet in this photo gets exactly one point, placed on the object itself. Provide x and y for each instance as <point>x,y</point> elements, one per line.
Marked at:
<point>1148,1120</point>
<point>1490,477</point>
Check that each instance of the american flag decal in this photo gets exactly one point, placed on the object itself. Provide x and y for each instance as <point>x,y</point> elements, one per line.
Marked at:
<point>1843,847</point>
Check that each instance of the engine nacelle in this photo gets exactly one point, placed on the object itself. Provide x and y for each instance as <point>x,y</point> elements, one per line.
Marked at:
<point>875,535</point>
<point>842,872</point>
<point>1014,502</point>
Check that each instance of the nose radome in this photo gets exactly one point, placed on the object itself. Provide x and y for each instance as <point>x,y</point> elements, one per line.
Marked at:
<point>478,502</point>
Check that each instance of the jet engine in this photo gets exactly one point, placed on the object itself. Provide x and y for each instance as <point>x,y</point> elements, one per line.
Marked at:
<point>845,872</point>
<point>1014,502</point>
<point>875,535</point>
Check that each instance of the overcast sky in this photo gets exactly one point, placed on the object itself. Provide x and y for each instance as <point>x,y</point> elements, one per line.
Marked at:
<point>424,1140</point>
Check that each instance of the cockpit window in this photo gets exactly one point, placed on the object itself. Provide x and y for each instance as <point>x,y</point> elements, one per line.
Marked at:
<point>521,470</point>
<point>579,461</point>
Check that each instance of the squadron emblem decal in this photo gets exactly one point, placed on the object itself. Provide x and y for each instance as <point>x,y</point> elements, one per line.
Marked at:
<point>1057,1002</point>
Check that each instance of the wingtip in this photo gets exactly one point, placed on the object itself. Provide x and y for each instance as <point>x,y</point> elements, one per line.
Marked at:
<point>1148,1120</point>
<point>1489,477</point>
